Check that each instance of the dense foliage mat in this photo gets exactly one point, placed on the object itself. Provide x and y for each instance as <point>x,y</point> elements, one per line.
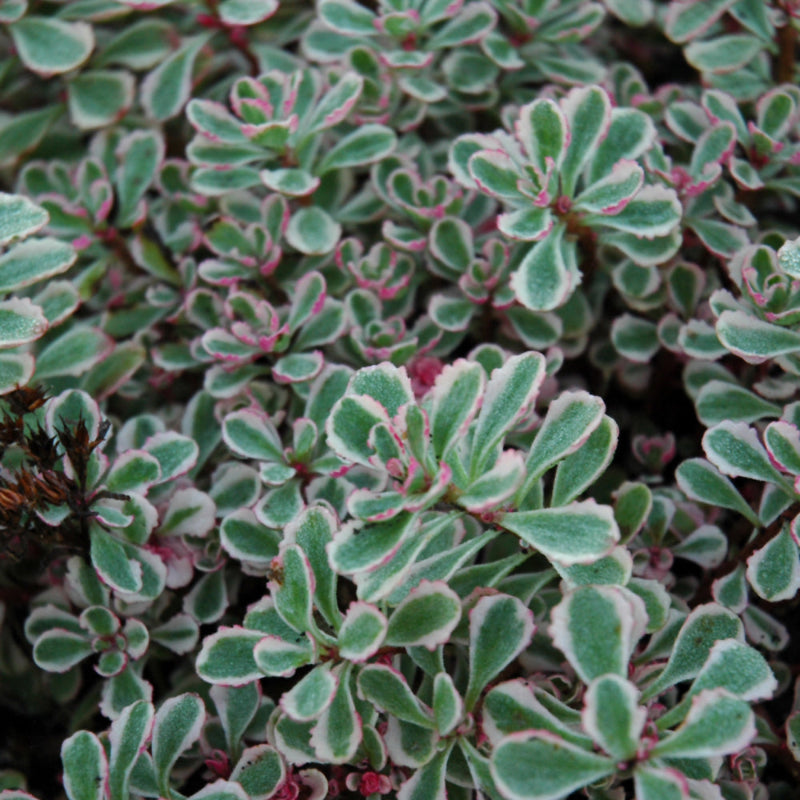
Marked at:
<point>399,398</point>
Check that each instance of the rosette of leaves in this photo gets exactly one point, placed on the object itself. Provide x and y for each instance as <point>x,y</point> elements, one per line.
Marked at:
<point>736,46</point>
<point>149,751</point>
<point>26,316</point>
<point>759,325</point>
<point>353,705</point>
<point>570,181</point>
<point>288,337</point>
<point>547,39</point>
<point>287,124</point>
<point>449,449</point>
<point>614,737</point>
<point>435,53</point>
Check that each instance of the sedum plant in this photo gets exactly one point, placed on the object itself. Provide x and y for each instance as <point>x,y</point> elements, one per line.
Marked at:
<point>399,399</point>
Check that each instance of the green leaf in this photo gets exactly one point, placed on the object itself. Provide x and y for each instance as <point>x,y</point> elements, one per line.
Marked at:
<point>634,338</point>
<point>578,533</point>
<point>347,16</point>
<point>723,53</point>
<point>782,441</point>
<point>293,591</point>
<point>337,734</point>
<point>133,471</point>
<point>570,420</point>
<point>688,20</point>
<point>59,650</point>
<point>384,383</point>
<point>597,627</point>
<point>165,90</point>
<point>469,25</point>
<point>141,154</point>
<point>702,628</point>
<point>73,352</point>
<point>701,480</point>
<point>455,400</point>
<point>310,696</point>
<point>427,616</point>
<point>362,632</point>
<point>754,340</point>
<point>448,707</point>
<point>246,12</point>
<point>112,564</point>
<point>236,707</point>
<point>336,103</point>
<point>735,449</point>
<point>774,569</point>
<point>85,767</point>
<point>365,145</point>
<point>313,231</point>
<point>127,738</point>
<point>500,628</point>
<point>178,725</point>
<point>105,377</point>
<point>260,771</point>
<point>630,135</point>
<point>20,322</point>
<point>538,765</point>
<point>612,716</point>
<point>655,211</point>
<point>19,217</point>
<point>50,46</point>
<point>23,132</point>
<point>496,485</point>
<point>207,600</point>
<point>97,98</point>
<point>737,668</point>
<point>175,453</point>
<point>353,551</point>
<point>450,240</point>
<point>546,275</point>
<point>511,389</point>
<point>227,657</point>
<point>16,369</point>
<point>580,469</point>
<point>251,434</point>
<point>542,131</point>
<point>588,114</point>
<point>387,690</point>
<point>653,783</point>
<point>611,193</point>
<point>280,658</point>
<point>514,706</point>
<point>718,401</point>
<point>717,724</point>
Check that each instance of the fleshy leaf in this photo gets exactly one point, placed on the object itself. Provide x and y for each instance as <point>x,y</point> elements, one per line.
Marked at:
<point>85,767</point>
<point>50,46</point>
<point>774,569</point>
<point>178,724</point>
<point>613,717</point>
<point>577,622</point>
<point>538,765</point>
<point>500,628</point>
<point>578,533</point>
<point>510,390</point>
<point>702,628</point>
<point>426,617</point>
<point>717,724</point>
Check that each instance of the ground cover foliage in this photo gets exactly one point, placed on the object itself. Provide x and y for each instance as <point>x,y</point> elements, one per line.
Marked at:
<point>399,399</point>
